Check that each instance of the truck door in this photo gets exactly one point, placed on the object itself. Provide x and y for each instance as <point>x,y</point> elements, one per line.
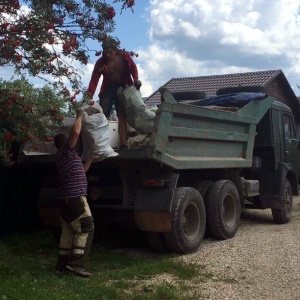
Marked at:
<point>291,142</point>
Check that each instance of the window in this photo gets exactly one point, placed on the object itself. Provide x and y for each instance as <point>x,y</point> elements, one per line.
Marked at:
<point>289,127</point>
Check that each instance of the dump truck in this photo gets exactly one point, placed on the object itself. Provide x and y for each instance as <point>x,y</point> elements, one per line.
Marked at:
<point>200,167</point>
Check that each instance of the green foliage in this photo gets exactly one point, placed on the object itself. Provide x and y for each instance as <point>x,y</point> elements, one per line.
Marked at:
<point>49,35</point>
<point>25,115</point>
<point>46,38</point>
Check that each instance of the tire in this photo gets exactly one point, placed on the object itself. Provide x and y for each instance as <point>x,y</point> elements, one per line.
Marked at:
<point>192,95</point>
<point>203,188</point>
<point>48,211</point>
<point>241,89</point>
<point>157,241</point>
<point>188,221</point>
<point>223,209</point>
<point>283,216</point>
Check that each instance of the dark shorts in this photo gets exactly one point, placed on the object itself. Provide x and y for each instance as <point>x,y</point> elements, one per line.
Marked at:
<point>71,208</point>
<point>109,98</point>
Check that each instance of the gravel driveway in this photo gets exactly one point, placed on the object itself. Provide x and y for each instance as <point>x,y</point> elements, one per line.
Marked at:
<point>262,261</point>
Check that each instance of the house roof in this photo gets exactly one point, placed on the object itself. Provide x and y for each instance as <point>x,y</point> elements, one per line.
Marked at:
<point>210,84</point>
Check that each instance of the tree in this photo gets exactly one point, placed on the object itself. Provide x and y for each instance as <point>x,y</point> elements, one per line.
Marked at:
<point>43,38</point>
<point>25,115</point>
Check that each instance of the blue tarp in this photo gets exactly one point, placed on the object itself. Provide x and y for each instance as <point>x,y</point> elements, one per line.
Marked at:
<point>229,100</point>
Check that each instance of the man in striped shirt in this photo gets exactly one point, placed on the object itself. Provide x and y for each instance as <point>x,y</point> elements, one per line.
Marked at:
<point>76,218</point>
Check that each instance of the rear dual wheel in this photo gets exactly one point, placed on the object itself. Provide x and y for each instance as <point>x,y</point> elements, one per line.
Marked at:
<point>241,89</point>
<point>223,209</point>
<point>188,95</point>
<point>188,221</point>
<point>203,187</point>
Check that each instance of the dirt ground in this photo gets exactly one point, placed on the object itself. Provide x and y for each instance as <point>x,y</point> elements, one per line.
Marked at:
<point>262,261</point>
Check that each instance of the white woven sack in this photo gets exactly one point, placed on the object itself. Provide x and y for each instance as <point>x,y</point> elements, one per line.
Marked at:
<point>95,137</point>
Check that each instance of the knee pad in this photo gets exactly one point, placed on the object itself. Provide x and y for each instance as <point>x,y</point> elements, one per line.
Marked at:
<point>87,224</point>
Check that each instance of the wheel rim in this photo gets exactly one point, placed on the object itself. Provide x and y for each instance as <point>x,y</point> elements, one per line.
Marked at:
<point>228,211</point>
<point>191,221</point>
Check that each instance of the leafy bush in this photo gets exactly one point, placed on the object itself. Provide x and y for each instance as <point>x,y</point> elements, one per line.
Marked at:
<point>25,115</point>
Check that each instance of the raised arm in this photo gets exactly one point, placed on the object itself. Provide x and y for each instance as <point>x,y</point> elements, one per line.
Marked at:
<point>75,131</point>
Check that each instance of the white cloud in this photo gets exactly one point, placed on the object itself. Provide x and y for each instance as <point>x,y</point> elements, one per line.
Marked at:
<point>199,37</point>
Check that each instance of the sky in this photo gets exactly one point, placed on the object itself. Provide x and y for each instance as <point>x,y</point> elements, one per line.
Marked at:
<point>182,38</point>
<point>186,38</point>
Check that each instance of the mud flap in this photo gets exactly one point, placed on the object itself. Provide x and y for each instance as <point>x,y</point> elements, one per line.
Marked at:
<point>152,209</point>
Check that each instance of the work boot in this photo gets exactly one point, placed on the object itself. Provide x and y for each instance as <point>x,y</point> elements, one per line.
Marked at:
<point>80,271</point>
<point>61,263</point>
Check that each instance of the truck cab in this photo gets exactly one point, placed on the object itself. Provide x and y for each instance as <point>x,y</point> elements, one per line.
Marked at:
<point>275,163</point>
<point>276,134</point>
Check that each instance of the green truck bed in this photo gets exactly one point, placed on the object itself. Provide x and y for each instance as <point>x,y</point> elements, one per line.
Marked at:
<point>186,136</point>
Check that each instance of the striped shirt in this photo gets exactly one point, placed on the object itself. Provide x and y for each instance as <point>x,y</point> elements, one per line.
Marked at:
<point>73,182</point>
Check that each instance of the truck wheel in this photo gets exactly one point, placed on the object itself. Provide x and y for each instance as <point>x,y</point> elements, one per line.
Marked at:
<point>223,209</point>
<point>241,89</point>
<point>188,221</point>
<point>157,241</point>
<point>283,216</point>
<point>48,210</point>
<point>203,187</point>
<point>189,95</point>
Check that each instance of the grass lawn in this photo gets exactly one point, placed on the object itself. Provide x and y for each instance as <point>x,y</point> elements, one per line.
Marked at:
<point>136,273</point>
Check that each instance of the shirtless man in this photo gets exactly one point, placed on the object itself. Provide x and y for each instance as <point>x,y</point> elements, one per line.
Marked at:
<point>118,69</point>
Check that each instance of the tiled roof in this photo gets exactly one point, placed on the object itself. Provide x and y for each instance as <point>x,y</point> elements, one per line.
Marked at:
<point>210,84</point>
